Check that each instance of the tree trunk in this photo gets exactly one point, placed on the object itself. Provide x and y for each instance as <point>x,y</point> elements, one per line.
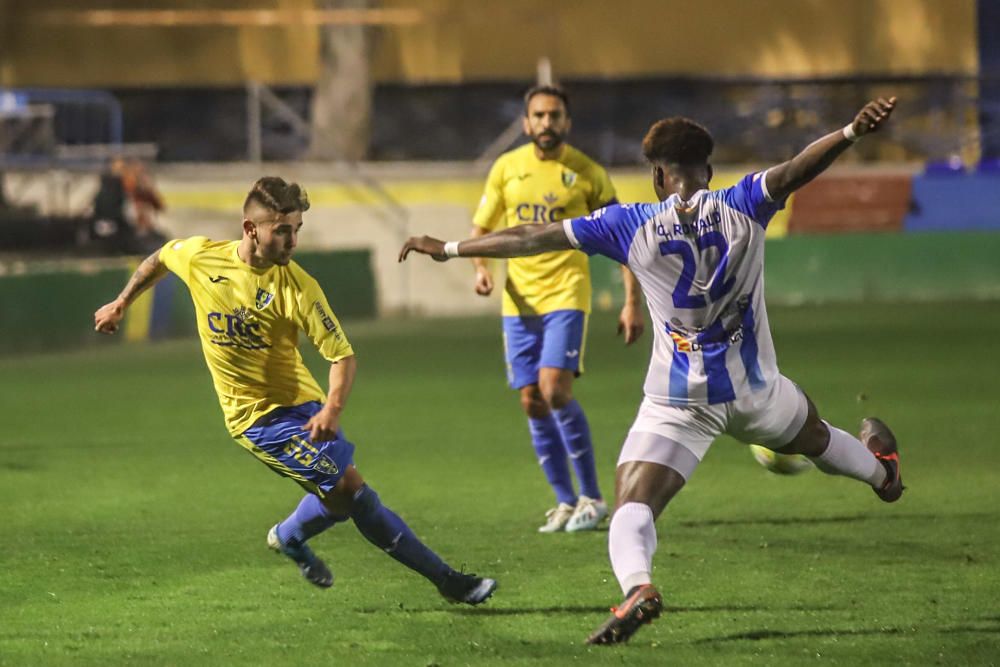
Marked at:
<point>342,100</point>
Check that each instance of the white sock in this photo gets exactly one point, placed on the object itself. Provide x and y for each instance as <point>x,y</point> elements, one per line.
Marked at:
<point>631,544</point>
<point>846,455</point>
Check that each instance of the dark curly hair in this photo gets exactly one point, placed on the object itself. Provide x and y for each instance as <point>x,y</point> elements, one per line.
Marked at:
<point>677,140</point>
<point>275,194</point>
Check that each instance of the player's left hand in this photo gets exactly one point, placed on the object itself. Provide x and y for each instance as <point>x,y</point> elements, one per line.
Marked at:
<point>323,425</point>
<point>873,115</point>
<point>425,245</point>
<point>631,322</point>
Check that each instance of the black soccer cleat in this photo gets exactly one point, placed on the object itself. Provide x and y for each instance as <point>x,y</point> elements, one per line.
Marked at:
<point>640,607</point>
<point>310,565</point>
<point>882,443</point>
<point>468,588</point>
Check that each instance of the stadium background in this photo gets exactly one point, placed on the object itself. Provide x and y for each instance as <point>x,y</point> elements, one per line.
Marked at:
<point>439,87</point>
<point>886,265</point>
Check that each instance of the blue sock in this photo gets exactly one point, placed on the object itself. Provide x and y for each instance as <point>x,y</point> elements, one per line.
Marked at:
<point>383,528</point>
<point>309,519</point>
<point>551,453</point>
<point>576,437</point>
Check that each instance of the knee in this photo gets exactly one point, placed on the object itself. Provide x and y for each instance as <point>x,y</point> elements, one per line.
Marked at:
<point>533,404</point>
<point>811,440</point>
<point>366,502</point>
<point>647,483</point>
<point>342,500</point>
<point>556,395</point>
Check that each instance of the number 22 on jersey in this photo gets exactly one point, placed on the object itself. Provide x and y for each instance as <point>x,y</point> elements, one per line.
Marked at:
<point>718,287</point>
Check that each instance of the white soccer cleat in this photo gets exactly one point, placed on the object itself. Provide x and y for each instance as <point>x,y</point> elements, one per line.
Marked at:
<point>588,515</point>
<point>556,518</point>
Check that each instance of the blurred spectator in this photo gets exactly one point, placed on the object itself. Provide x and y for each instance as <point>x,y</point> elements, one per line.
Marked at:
<point>125,209</point>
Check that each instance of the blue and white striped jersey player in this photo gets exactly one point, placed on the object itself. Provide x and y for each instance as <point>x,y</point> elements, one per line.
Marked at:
<point>546,299</point>
<point>699,257</point>
<point>252,301</point>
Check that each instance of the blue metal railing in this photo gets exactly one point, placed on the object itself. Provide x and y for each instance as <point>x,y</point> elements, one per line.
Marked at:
<point>61,118</point>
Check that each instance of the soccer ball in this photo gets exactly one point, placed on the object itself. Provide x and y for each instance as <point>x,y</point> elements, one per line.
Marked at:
<point>780,464</point>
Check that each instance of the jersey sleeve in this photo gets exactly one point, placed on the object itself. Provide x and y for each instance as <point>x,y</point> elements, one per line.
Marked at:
<point>318,321</point>
<point>178,254</point>
<point>489,213</point>
<point>750,197</point>
<point>603,193</point>
<point>607,231</point>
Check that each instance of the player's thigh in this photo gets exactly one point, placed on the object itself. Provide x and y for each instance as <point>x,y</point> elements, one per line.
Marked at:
<point>671,437</point>
<point>522,344</point>
<point>282,444</point>
<point>772,417</point>
<point>564,340</point>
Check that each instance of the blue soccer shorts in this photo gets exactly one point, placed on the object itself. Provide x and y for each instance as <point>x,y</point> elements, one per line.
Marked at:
<point>552,340</point>
<point>279,441</point>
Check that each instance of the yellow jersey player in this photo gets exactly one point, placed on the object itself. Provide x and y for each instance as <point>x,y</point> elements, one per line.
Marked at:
<point>251,301</point>
<point>546,299</point>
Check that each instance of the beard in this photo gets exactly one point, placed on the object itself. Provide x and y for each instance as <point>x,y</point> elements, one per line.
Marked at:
<point>548,140</point>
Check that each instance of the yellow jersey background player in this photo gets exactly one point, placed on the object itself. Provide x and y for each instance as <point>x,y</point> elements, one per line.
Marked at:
<point>251,301</point>
<point>546,299</point>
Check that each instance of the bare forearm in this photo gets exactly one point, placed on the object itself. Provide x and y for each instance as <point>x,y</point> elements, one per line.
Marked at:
<point>478,262</point>
<point>148,273</point>
<point>631,284</point>
<point>788,177</point>
<point>519,241</point>
<point>340,382</point>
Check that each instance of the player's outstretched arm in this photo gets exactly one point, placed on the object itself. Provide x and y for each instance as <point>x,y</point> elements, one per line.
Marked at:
<point>108,316</point>
<point>517,241</point>
<point>787,177</point>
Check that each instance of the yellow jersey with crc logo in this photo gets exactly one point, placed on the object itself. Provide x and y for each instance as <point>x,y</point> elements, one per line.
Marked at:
<point>249,322</point>
<point>524,190</point>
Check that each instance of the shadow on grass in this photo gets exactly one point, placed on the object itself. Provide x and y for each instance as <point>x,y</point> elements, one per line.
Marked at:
<point>582,609</point>
<point>19,466</point>
<point>758,635</point>
<point>804,520</point>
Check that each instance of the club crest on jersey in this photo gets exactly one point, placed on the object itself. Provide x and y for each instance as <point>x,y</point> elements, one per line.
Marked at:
<point>326,465</point>
<point>264,299</point>
<point>568,178</point>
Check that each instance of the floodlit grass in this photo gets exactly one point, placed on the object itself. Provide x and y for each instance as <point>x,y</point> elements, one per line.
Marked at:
<point>134,526</point>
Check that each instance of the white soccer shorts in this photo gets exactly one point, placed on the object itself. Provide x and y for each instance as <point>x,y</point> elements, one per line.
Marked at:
<point>679,436</point>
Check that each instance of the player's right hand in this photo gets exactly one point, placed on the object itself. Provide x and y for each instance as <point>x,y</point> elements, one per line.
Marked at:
<point>425,245</point>
<point>484,281</point>
<point>108,316</point>
<point>873,115</point>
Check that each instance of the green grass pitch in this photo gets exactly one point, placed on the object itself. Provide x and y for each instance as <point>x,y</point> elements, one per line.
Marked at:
<point>133,526</point>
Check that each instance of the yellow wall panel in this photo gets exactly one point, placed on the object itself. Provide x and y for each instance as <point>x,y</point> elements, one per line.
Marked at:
<point>482,40</point>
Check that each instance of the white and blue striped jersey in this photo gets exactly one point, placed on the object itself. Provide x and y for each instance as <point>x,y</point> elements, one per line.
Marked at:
<point>701,267</point>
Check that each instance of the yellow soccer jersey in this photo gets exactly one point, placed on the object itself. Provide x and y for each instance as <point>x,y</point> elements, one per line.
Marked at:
<point>249,321</point>
<point>520,190</point>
